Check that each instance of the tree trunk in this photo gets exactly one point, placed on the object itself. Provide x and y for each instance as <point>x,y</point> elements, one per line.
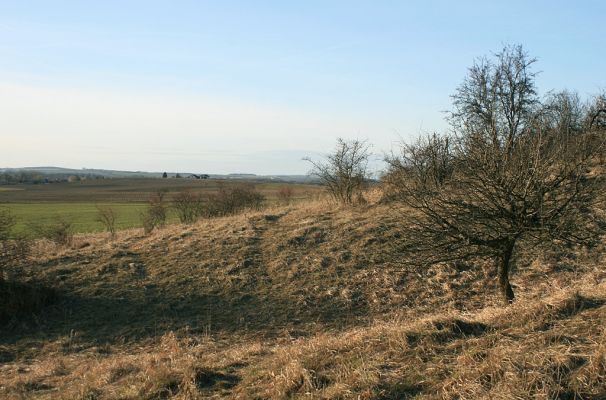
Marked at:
<point>504,284</point>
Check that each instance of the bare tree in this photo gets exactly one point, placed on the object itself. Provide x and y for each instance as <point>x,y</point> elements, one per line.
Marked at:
<point>107,217</point>
<point>513,175</point>
<point>344,172</point>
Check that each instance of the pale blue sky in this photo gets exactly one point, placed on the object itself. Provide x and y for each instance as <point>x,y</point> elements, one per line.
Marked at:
<point>254,86</point>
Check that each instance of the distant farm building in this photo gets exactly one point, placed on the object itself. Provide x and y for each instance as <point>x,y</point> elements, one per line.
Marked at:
<point>203,176</point>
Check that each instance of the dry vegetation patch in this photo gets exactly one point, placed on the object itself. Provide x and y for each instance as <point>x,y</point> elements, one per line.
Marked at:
<point>298,302</point>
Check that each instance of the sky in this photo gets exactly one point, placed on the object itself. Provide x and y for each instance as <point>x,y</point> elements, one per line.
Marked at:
<point>255,86</point>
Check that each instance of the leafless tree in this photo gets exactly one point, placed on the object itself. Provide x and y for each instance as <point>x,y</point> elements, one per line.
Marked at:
<point>107,217</point>
<point>344,172</point>
<point>513,174</point>
<point>496,99</point>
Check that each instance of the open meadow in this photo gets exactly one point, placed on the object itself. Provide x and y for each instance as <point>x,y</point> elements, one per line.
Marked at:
<point>78,202</point>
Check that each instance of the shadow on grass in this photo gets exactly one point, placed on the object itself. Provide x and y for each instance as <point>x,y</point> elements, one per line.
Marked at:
<point>149,313</point>
<point>399,390</point>
<point>20,299</point>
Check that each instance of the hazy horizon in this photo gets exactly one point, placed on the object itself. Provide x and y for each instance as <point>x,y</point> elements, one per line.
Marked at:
<point>236,88</point>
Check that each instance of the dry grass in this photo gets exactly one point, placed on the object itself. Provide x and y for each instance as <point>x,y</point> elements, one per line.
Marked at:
<point>305,301</point>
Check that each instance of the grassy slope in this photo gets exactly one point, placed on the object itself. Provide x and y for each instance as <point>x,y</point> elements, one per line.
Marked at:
<point>301,301</point>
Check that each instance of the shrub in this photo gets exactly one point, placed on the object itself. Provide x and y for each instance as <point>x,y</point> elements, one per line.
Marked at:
<point>157,208</point>
<point>147,221</point>
<point>107,217</point>
<point>232,200</point>
<point>154,215</point>
<point>60,231</point>
<point>188,206</point>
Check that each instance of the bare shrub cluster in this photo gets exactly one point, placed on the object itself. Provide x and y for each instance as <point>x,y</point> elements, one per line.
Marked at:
<point>154,215</point>
<point>188,206</point>
<point>231,200</point>
<point>344,172</point>
<point>107,217</point>
<point>228,200</point>
<point>514,173</point>
<point>60,230</point>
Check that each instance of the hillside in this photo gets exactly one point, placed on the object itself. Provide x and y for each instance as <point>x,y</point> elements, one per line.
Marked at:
<point>307,301</point>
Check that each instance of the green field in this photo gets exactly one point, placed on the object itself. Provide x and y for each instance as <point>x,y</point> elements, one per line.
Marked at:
<point>83,215</point>
<point>77,202</point>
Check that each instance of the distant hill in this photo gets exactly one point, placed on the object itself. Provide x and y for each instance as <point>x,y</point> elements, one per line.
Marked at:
<point>54,173</point>
<point>85,171</point>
